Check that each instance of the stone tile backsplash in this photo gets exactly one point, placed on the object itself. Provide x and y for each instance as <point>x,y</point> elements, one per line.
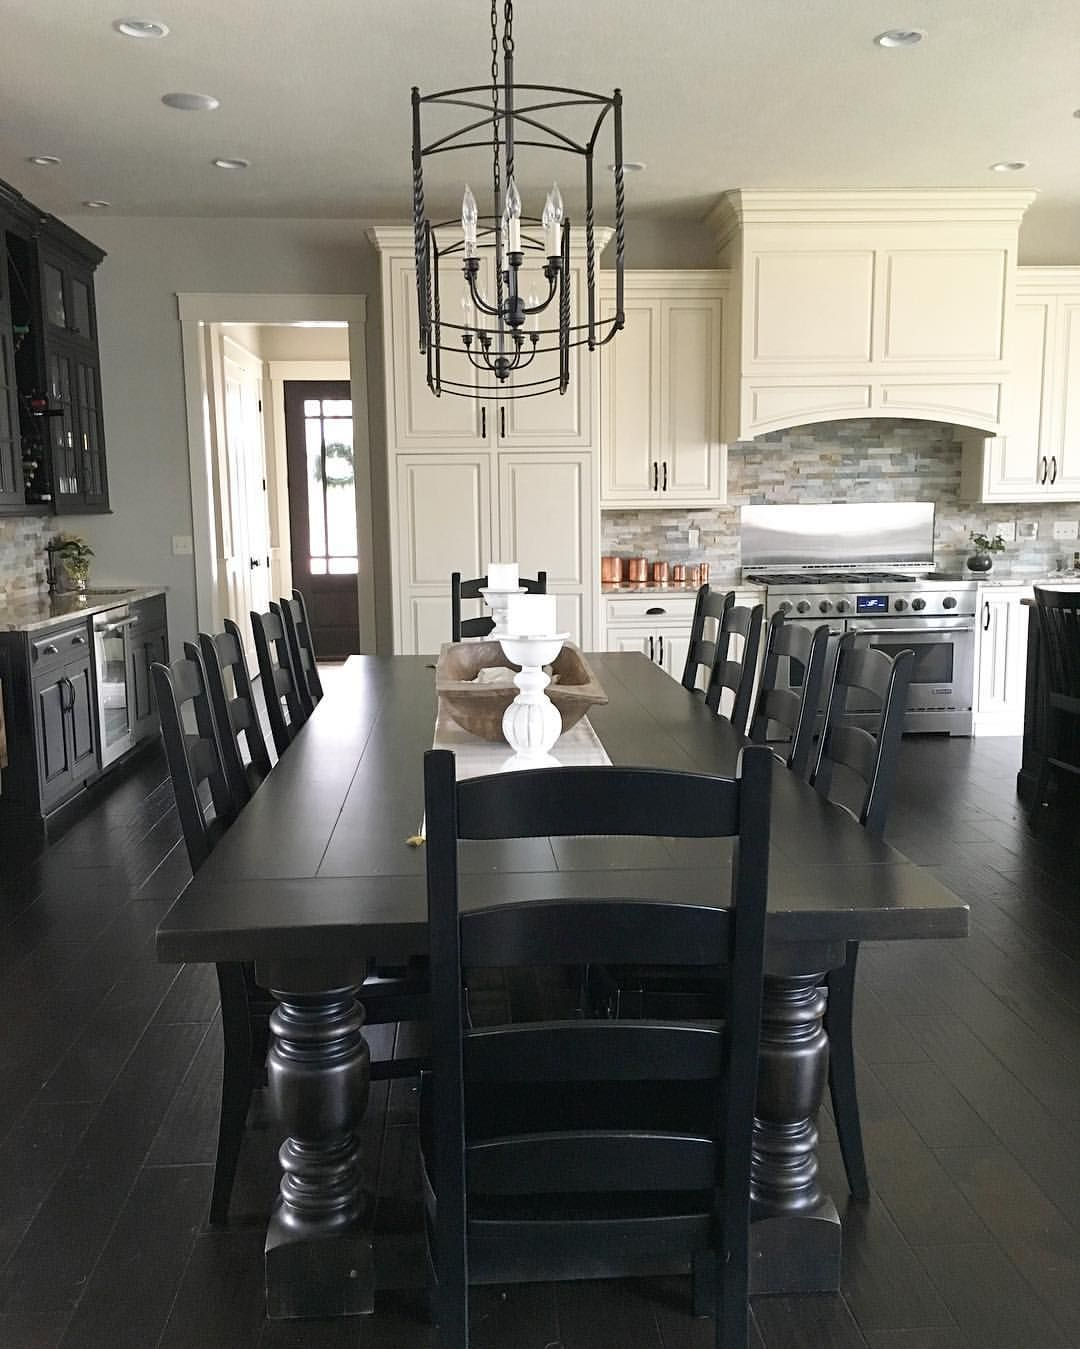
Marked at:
<point>866,460</point>
<point>22,555</point>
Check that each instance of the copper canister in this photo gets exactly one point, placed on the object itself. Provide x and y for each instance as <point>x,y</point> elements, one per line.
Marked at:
<point>678,574</point>
<point>693,576</point>
<point>611,570</point>
<point>660,573</point>
<point>703,573</point>
<point>637,569</point>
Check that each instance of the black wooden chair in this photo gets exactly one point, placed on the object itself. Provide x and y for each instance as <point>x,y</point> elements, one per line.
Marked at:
<point>790,692</point>
<point>736,672</point>
<point>236,715</point>
<point>298,636</point>
<point>285,706</point>
<point>1058,614</point>
<point>709,609</point>
<point>868,759</point>
<point>195,766</point>
<point>470,590</point>
<point>587,1148</point>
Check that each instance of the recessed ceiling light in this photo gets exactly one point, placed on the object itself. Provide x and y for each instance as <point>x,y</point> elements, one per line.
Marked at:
<point>97,205</point>
<point>44,161</point>
<point>232,163</point>
<point>1077,113</point>
<point>141,28</point>
<point>191,102</point>
<point>1009,165</point>
<point>630,166</point>
<point>900,37</point>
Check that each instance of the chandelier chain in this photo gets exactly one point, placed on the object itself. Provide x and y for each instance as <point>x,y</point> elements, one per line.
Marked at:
<point>496,173</point>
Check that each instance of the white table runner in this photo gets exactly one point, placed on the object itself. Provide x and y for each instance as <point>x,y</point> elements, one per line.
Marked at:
<point>580,746</point>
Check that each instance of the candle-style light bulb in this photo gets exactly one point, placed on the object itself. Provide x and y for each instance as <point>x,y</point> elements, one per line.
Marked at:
<point>468,312</point>
<point>513,216</point>
<point>553,219</point>
<point>469,217</point>
<point>532,301</point>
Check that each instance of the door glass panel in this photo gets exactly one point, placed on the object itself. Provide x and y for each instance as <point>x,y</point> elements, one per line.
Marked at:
<point>80,307</point>
<point>52,280</point>
<point>328,438</point>
<point>933,660</point>
<point>112,687</point>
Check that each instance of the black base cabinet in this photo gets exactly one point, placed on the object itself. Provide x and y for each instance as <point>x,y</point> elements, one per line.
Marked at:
<point>53,715</point>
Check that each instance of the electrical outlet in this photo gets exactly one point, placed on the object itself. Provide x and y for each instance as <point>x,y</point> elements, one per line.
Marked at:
<point>1027,529</point>
<point>693,537</point>
<point>1006,528</point>
<point>1066,529</point>
<point>182,545</point>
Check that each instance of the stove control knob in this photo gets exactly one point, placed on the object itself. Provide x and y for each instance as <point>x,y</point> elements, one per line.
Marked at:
<point>803,606</point>
<point>784,607</point>
<point>899,605</point>
<point>949,602</point>
<point>918,605</point>
<point>842,606</point>
<point>825,606</point>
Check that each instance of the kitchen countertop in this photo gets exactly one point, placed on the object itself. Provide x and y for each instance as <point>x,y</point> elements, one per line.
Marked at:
<point>651,588</point>
<point>39,611</point>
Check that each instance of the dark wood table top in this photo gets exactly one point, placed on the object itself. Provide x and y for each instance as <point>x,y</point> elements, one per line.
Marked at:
<point>321,850</point>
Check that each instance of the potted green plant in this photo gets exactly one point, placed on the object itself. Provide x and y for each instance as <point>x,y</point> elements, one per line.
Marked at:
<point>75,554</point>
<point>982,560</point>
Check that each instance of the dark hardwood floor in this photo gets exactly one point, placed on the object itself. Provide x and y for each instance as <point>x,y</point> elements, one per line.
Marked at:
<point>970,1077</point>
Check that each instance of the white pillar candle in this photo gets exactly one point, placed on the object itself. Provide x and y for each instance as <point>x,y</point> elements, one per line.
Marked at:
<point>531,616</point>
<point>502,576</point>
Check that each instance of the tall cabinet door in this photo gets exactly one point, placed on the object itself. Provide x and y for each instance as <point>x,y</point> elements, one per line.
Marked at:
<point>630,406</point>
<point>421,420</point>
<point>1064,480</point>
<point>547,522</point>
<point>91,442</point>
<point>60,368</point>
<point>443,525</point>
<point>690,456</point>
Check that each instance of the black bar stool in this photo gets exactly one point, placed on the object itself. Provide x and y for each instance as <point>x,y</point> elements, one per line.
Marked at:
<point>236,715</point>
<point>285,706</point>
<point>790,692</point>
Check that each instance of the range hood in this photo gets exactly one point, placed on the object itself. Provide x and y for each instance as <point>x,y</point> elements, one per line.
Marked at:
<point>853,304</point>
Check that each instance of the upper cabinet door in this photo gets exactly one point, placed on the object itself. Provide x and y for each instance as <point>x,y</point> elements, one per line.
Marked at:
<point>630,406</point>
<point>67,297</point>
<point>552,420</point>
<point>12,491</point>
<point>1064,476</point>
<point>690,452</point>
<point>422,421</point>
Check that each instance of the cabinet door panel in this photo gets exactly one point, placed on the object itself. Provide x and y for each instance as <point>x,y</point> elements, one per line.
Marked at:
<point>421,420</point>
<point>50,710</point>
<point>631,640</point>
<point>427,621</point>
<point>676,648</point>
<point>61,379</point>
<point>444,517</point>
<point>691,412</point>
<point>1067,444</point>
<point>630,405</point>
<point>88,429</point>
<point>11,483</point>
<point>999,696</point>
<point>924,286</point>
<point>811,305</point>
<point>551,419</point>
<point>81,718</point>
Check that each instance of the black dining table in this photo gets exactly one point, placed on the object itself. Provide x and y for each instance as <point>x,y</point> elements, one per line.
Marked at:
<point>315,879</point>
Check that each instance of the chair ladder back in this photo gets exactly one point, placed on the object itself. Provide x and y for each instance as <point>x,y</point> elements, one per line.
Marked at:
<point>792,705</point>
<point>307,645</point>
<point>736,674</point>
<point>193,757</point>
<point>1058,615</point>
<point>235,716</point>
<point>871,755</point>
<point>278,678</point>
<point>481,626</point>
<point>290,622</point>
<point>701,653</point>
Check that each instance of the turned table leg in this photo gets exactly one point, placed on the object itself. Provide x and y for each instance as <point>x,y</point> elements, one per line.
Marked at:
<point>795,1234</point>
<point>319,1258</point>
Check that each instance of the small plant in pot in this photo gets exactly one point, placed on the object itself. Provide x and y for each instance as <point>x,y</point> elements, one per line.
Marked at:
<point>74,554</point>
<point>982,559</point>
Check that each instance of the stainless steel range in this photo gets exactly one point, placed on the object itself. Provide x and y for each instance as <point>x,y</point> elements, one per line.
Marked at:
<point>869,570</point>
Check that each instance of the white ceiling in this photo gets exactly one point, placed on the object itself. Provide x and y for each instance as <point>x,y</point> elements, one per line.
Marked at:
<point>761,93</point>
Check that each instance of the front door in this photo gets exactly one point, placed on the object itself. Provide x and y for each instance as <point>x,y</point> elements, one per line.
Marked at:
<point>322,510</point>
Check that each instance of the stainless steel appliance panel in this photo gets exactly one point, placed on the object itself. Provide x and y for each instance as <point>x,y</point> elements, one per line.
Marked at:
<point>111,653</point>
<point>941,693</point>
<point>842,535</point>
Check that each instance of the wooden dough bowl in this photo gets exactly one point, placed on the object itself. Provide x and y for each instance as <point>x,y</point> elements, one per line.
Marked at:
<point>479,708</point>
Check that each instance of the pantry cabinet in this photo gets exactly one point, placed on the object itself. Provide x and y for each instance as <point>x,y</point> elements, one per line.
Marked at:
<point>660,392</point>
<point>1001,659</point>
<point>1038,458</point>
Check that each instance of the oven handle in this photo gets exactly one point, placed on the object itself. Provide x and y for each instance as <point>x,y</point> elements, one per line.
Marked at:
<point>868,631</point>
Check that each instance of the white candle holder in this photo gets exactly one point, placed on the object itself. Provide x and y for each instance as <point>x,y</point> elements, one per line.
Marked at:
<point>532,724</point>
<point>497,601</point>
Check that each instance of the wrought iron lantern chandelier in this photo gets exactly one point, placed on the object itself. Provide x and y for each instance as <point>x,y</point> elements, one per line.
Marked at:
<point>498,331</point>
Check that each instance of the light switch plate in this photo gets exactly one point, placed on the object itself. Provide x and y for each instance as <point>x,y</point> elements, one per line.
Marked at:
<point>182,545</point>
<point>1006,528</point>
<point>1027,529</point>
<point>1066,529</point>
<point>693,537</point>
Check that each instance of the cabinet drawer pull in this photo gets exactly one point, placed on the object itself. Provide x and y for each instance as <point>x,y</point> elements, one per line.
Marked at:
<point>1042,480</point>
<point>656,609</point>
<point>661,640</point>
<point>502,422</point>
<point>986,615</point>
<point>1053,468</point>
<point>49,650</point>
<point>78,640</point>
<point>652,649</point>
<point>483,424</point>
<point>655,476</point>
<point>664,488</point>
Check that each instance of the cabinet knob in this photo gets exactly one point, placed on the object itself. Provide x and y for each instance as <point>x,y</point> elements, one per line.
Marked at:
<point>50,650</point>
<point>78,640</point>
<point>656,610</point>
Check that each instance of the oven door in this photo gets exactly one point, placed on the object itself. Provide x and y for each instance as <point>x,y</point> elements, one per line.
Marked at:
<point>942,677</point>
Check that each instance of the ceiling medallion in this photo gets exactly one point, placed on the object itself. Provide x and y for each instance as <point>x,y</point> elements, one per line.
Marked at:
<point>499,329</point>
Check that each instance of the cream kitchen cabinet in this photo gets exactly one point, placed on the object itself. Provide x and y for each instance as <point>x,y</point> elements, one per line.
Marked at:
<point>1038,459</point>
<point>421,421</point>
<point>660,392</point>
<point>890,303</point>
<point>1001,660</point>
